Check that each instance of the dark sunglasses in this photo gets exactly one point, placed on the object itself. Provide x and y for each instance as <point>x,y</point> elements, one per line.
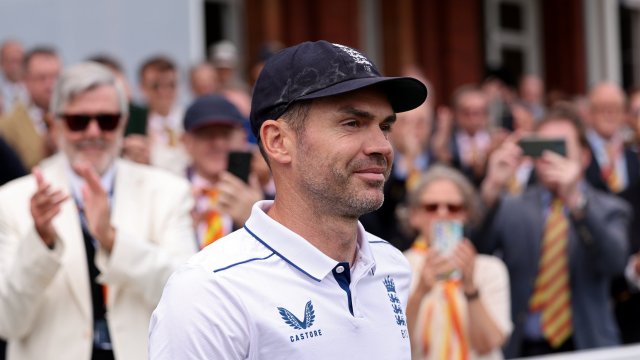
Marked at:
<point>451,208</point>
<point>79,122</point>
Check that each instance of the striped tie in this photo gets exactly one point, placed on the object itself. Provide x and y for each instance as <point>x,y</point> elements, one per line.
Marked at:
<point>610,174</point>
<point>552,294</point>
<point>213,219</point>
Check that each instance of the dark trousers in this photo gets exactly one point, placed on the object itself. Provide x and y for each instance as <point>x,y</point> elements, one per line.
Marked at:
<point>102,355</point>
<point>542,347</point>
<point>3,349</point>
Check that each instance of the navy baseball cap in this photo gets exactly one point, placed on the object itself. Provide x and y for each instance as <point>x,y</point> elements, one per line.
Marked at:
<point>212,110</point>
<point>312,70</point>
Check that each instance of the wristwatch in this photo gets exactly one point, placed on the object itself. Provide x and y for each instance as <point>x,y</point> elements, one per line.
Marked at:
<point>475,294</point>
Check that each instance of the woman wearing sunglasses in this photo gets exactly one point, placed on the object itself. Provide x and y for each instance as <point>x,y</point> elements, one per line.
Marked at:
<point>459,305</point>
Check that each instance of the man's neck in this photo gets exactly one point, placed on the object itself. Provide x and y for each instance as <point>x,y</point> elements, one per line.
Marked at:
<point>161,112</point>
<point>202,176</point>
<point>333,235</point>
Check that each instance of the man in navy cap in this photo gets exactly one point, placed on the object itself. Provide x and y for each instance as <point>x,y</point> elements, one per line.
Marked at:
<point>214,130</point>
<point>303,279</point>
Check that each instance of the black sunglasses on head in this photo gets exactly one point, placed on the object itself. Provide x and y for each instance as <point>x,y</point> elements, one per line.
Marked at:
<point>79,122</point>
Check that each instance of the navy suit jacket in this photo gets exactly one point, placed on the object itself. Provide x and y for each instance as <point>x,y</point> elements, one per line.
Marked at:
<point>594,172</point>
<point>598,249</point>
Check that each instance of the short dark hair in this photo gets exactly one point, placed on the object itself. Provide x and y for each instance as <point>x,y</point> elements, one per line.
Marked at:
<point>37,51</point>
<point>296,117</point>
<point>565,112</point>
<point>108,61</point>
<point>160,63</point>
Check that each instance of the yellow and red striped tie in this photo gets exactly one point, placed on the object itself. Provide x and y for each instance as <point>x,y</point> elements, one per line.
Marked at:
<point>213,218</point>
<point>610,172</point>
<point>552,294</point>
<point>611,177</point>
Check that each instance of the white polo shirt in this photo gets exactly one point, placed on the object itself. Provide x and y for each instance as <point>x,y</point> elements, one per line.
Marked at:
<point>264,292</point>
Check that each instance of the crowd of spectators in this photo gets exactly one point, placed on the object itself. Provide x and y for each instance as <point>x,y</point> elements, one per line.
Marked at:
<point>508,288</point>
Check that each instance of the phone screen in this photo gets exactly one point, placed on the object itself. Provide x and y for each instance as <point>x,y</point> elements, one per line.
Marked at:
<point>446,235</point>
<point>534,146</point>
<point>239,164</point>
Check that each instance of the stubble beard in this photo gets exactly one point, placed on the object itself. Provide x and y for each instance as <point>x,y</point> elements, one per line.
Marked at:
<point>341,193</point>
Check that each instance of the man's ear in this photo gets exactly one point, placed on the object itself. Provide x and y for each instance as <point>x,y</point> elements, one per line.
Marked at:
<point>276,141</point>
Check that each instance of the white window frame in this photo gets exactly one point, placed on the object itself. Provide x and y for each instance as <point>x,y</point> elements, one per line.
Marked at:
<point>527,40</point>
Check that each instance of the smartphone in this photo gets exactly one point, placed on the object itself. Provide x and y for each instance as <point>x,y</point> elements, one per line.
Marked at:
<point>239,164</point>
<point>534,146</point>
<point>446,235</point>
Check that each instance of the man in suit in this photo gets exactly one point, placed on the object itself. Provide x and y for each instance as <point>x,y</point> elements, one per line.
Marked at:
<point>462,138</point>
<point>626,289</point>
<point>12,90</point>
<point>26,128</point>
<point>223,199</point>
<point>88,240</point>
<point>562,241</point>
<point>614,165</point>
<point>154,138</point>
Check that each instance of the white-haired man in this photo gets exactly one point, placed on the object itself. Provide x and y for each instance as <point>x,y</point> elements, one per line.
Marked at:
<point>88,240</point>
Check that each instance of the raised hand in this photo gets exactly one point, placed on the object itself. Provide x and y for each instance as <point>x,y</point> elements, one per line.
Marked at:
<point>235,197</point>
<point>561,172</point>
<point>137,148</point>
<point>464,258</point>
<point>96,206</point>
<point>435,268</point>
<point>45,205</point>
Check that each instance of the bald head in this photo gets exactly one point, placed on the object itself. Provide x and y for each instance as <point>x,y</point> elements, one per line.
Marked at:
<point>606,109</point>
<point>11,55</point>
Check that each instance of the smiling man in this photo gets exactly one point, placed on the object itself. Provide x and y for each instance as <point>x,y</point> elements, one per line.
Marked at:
<point>302,279</point>
<point>88,240</point>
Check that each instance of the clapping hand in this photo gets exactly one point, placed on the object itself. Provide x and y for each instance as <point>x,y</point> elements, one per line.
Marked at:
<point>96,206</point>
<point>45,205</point>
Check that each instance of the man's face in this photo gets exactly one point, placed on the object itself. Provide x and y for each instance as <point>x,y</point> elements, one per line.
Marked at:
<point>438,201</point>
<point>98,147</point>
<point>606,111</point>
<point>559,130</point>
<point>11,61</point>
<point>204,80</point>
<point>415,124</point>
<point>532,90</point>
<point>40,76</point>
<point>343,156</point>
<point>472,113</point>
<point>209,147</point>
<point>159,89</point>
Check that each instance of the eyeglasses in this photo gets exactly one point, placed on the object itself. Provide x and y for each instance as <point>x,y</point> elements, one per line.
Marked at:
<point>451,208</point>
<point>79,122</point>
